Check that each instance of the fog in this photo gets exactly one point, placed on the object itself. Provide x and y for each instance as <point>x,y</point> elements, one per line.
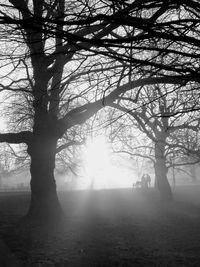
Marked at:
<point>119,175</point>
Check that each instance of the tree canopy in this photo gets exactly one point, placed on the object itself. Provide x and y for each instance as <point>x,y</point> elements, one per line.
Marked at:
<point>63,61</point>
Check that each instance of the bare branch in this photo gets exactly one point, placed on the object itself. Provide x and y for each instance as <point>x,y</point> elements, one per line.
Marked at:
<point>70,143</point>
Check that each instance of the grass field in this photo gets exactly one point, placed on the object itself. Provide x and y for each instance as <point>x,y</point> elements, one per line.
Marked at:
<point>105,228</point>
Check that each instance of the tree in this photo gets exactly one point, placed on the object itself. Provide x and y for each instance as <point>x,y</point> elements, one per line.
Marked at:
<point>160,115</point>
<point>43,75</point>
<point>61,55</point>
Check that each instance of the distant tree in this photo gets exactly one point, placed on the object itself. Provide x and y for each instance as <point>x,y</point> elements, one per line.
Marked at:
<point>186,154</point>
<point>161,116</point>
<point>7,161</point>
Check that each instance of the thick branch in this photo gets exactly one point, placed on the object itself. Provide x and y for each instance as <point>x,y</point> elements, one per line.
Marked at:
<point>16,138</point>
<point>81,114</point>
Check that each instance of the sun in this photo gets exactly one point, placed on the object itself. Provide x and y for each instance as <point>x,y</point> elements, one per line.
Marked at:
<point>97,162</point>
<point>99,169</point>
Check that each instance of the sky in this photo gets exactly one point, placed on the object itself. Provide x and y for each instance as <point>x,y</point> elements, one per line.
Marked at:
<point>2,124</point>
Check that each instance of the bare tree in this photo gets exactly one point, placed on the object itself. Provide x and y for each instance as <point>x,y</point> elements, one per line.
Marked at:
<point>39,78</point>
<point>161,116</point>
<point>63,55</point>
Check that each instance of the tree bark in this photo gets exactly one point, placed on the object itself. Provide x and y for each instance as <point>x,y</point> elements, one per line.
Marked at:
<point>161,173</point>
<point>44,199</point>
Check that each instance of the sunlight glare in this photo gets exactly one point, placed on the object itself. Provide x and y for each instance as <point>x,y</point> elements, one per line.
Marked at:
<point>99,170</point>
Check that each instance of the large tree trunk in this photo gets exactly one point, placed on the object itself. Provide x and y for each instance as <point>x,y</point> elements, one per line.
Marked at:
<point>44,199</point>
<point>161,173</point>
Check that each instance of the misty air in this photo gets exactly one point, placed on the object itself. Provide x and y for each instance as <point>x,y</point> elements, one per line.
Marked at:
<point>99,133</point>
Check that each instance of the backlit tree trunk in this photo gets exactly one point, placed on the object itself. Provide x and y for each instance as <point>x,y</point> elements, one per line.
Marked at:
<point>44,200</point>
<point>161,172</point>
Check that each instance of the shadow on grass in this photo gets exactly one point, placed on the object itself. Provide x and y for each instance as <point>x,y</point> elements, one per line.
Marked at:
<point>110,228</point>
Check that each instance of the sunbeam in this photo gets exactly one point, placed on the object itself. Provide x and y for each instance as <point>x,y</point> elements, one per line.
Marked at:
<point>100,171</point>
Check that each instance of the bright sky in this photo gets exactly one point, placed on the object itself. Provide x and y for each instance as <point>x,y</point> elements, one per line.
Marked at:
<point>100,172</point>
<point>2,124</point>
<point>2,121</point>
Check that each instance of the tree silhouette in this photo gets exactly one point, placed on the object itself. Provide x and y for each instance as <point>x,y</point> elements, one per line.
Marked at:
<point>161,116</point>
<point>70,59</point>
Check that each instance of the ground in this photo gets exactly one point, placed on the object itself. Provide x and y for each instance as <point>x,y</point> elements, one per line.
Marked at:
<point>122,227</point>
